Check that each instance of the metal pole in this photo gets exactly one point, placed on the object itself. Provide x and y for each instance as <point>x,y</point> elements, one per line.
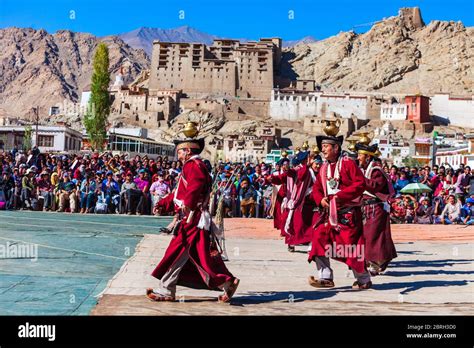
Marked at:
<point>37,121</point>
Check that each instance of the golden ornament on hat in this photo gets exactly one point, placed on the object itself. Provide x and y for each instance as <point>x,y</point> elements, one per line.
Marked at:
<point>190,129</point>
<point>305,146</point>
<point>364,138</point>
<point>315,149</point>
<point>332,127</point>
<point>284,153</point>
<point>352,142</point>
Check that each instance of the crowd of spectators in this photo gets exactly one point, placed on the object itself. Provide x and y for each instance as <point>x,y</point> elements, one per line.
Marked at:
<point>94,183</point>
<point>113,184</point>
<point>450,199</point>
<point>106,183</point>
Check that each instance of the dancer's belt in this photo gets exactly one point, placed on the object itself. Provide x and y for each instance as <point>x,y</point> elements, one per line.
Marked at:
<point>372,201</point>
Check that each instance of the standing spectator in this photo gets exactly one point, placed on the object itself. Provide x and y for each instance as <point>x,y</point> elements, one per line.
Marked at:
<point>248,198</point>
<point>401,182</point>
<point>414,177</point>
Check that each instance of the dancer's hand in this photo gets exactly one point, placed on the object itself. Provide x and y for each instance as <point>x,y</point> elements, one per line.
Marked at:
<point>325,202</point>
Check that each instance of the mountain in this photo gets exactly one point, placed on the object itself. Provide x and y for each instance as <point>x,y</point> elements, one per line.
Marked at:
<point>305,40</point>
<point>143,37</point>
<point>38,68</point>
<point>400,54</point>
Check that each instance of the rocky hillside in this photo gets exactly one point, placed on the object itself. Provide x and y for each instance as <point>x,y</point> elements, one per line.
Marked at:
<point>37,68</point>
<point>400,54</point>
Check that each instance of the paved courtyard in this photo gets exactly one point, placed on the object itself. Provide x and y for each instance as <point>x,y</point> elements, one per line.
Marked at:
<point>433,274</point>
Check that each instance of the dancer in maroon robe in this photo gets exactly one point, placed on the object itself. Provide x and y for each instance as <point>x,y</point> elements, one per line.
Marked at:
<point>279,179</point>
<point>379,247</point>
<point>191,259</point>
<point>338,233</point>
<point>298,206</point>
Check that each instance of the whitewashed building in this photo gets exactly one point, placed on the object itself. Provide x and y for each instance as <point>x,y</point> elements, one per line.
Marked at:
<point>296,105</point>
<point>58,138</point>
<point>459,111</point>
<point>393,112</point>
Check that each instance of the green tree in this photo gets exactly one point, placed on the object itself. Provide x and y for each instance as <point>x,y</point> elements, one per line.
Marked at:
<point>95,119</point>
<point>27,138</point>
<point>411,162</point>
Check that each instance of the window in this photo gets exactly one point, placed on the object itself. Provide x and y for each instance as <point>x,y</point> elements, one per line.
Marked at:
<point>46,140</point>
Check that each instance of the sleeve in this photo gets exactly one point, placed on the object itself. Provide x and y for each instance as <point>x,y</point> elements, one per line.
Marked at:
<point>318,191</point>
<point>197,182</point>
<point>352,175</point>
<point>278,179</point>
<point>376,183</point>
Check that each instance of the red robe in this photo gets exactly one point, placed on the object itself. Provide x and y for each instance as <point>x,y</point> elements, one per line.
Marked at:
<point>377,234</point>
<point>279,179</point>
<point>203,270</point>
<point>301,227</point>
<point>351,185</point>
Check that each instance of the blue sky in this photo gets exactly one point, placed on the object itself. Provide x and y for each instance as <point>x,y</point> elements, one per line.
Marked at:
<point>225,18</point>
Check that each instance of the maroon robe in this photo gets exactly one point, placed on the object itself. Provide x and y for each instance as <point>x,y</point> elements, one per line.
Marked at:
<point>205,268</point>
<point>377,234</point>
<point>351,185</point>
<point>301,227</point>
<point>278,179</point>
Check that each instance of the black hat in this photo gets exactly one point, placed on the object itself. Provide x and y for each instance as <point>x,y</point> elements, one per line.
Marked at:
<point>329,139</point>
<point>370,150</point>
<point>190,131</point>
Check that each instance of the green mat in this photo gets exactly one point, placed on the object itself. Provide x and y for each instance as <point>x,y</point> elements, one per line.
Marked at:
<point>76,255</point>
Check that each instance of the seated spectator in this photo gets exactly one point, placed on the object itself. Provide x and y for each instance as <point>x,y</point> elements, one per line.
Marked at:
<point>451,211</point>
<point>410,207</point>
<point>88,193</point>
<point>45,191</point>
<point>467,212</point>
<point>143,185</point>
<point>67,193</point>
<point>27,189</point>
<point>111,191</point>
<point>248,198</point>
<point>7,186</point>
<point>130,193</point>
<point>158,189</point>
<point>424,212</point>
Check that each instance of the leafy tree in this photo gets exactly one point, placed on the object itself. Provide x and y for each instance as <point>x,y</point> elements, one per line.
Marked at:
<point>27,138</point>
<point>95,119</point>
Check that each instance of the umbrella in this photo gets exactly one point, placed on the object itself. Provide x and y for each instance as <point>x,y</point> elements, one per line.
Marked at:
<point>415,188</point>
